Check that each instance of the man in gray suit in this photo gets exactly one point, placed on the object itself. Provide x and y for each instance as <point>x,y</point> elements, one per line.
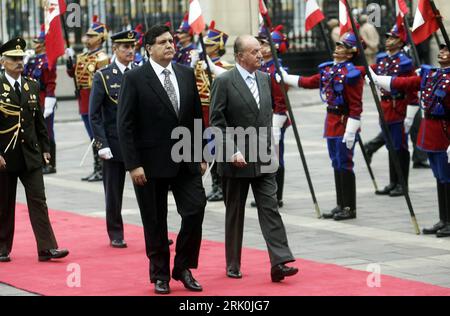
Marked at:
<point>241,98</point>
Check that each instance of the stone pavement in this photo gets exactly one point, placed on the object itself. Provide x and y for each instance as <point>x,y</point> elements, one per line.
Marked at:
<point>382,234</point>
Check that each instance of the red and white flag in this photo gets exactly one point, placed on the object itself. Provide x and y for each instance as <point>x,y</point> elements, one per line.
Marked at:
<point>401,10</point>
<point>425,22</point>
<point>262,8</point>
<point>196,20</point>
<point>54,40</point>
<point>313,15</point>
<point>345,24</point>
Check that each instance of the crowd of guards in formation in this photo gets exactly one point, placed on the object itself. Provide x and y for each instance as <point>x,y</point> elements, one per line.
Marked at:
<point>28,103</point>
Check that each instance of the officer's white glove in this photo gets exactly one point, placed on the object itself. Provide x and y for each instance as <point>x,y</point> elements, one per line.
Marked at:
<point>384,82</point>
<point>70,52</point>
<point>216,70</point>
<point>448,154</point>
<point>374,77</point>
<point>28,54</point>
<point>278,121</point>
<point>350,132</point>
<point>195,57</point>
<point>105,153</point>
<point>49,106</point>
<point>411,111</point>
<point>290,80</point>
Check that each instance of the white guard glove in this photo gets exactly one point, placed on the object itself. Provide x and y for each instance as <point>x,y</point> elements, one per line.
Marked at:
<point>411,111</point>
<point>350,132</point>
<point>278,121</point>
<point>28,54</point>
<point>216,70</point>
<point>70,52</point>
<point>384,82</point>
<point>290,80</point>
<point>105,153</point>
<point>194,58</point>
<point>49,106</point>
<point>448,154</point>
<point>374,77</point>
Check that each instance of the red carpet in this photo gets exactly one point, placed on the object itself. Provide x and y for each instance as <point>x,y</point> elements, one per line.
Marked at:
<point>108,271</point>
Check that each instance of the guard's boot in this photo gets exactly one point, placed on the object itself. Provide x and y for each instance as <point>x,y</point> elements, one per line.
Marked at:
<point>280,184</point>
<point>445,231</point>
<point>98,169</point>
<point>442,211</point>
<point>348,197</point>
<point>338,185</point>
<point>392,179</point>
<point>51,167</point>
<point>400,189</point>
<point>218,194</point>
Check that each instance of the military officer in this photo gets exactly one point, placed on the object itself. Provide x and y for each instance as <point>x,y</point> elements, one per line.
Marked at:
<point>434,137</point>
<point>280,119</point>
<point>37,68</point>
<point>185,43</point>
<point>341,85</point>
<point>102,113</point>
<point>84,69</point>
<point>215,42</point>
<point>24,146</point>
<point>399,108</point>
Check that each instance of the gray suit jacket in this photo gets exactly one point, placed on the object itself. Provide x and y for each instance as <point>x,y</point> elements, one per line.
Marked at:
<point>233,106</point>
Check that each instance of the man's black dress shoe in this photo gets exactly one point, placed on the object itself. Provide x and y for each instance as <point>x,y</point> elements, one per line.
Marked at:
<point>4,257</point>
<point>346,213</point>
<point>118,243</point>
<point>280,271</point>
<point>397,191</point>
<point>162,287</point>
<point>185,276</point>
<point>333,212</point>
<point>433,230</point>
<point>421,165</point>
<point>235,274</point>
<point>387,189</point>
<point>444,231</point>
<point>46,255</point>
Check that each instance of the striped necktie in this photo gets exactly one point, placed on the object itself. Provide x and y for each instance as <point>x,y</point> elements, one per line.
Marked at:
<point>253,88</point>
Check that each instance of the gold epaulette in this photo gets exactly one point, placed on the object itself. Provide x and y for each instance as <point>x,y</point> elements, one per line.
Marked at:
<point>102,59</point>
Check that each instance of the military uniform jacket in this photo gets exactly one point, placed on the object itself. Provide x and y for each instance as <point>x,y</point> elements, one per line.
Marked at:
<point>394,103</point>
<point>23,134</point>
<point>86,66</point>
<point>103,109</point>
<point>37,68</point>
<point>434,87</point>
<point>183,55</point>
<point>341,87</point>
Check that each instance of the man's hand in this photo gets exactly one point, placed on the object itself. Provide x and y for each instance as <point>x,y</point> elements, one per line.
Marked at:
<point>411,111</point>
<point>138,176</point>
<point>105,153</point>
<point>350,132</point>
<point>69,52</point>
<point>47,157</point>
<point>204,167</point>
<point>239,160</point>
<point>49,106</point>
<point>2,163</point>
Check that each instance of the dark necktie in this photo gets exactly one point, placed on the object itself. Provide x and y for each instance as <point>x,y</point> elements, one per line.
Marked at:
<point>126,69</point>
<point>17,89</point>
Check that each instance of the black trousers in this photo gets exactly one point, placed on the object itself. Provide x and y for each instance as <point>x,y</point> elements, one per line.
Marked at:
<point>33,183</point>
<point>113,182</point>
<point>264,188</point>
<point>190,199</point>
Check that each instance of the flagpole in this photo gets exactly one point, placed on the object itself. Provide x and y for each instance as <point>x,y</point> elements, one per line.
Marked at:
<point>326,39</point>
<point>415,55</point>
<point>441,25</point>
<point>384,126</point>
<point>267,26</point>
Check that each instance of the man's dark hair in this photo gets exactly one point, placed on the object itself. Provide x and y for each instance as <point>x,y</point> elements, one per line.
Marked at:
<point>154,32</point>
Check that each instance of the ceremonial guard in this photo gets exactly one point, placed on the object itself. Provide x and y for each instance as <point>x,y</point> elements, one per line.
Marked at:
<point>84,69</point>
<point>185,46</point>
<point>215,48</point>
<point>280,120</point>
<point>24,147</point>
<point>37,68</point>
<point>434,137</point>
<point>139,59</point>
<point>102,113</point>
<point>399,108</point>
<point>341,85</point>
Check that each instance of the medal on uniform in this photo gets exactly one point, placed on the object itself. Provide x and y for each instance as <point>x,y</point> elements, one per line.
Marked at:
<point>114,71</point>
<point>91,67</point>
<point>5,94</point>
<point>6,87</point>
<point>25,86</point>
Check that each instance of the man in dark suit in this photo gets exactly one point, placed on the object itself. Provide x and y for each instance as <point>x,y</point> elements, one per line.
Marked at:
<point>241,98</point>
<point>155,99</point>
<point>24,145</point>
<point>103,117</point>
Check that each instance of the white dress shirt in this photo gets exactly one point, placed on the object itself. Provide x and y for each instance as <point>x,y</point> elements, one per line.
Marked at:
<point>122,66</point>
<point>159,72</point>
<point>245,74</point>
<point>12,81</point>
